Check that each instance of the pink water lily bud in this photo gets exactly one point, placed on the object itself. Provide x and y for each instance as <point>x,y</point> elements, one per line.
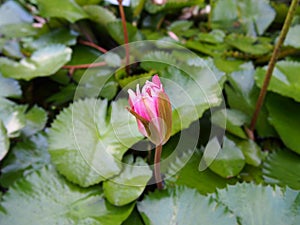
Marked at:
<point>152,110</point>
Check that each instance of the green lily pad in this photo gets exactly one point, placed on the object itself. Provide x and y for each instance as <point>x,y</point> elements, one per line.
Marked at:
<point>36,119</point>
<point>182,205</point>
<point>246,200</point>
<point>251,45</point>
<point>252,152</point>
<point>9,87</point>
<point>53,200</point>
<point>232,120</point>
<point>282,167</point>
<point>87,140</point>
<point>24,158</point>
<point>43,62</point>
<point>67,9</point>
<point>12,13</point>
<point>292,38</point>
<point>284,81</point>
<point>4,141</point>
<point>242,94</point>
<point>99,14</point>
<point>129,184</point>
<point>204,181</point>
<point>284,116</point>
<point>255,16</point>
<point>229,161</point>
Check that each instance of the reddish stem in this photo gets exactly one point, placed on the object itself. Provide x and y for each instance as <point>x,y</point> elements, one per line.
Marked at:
<point>84,66</point>
<point>157,174</point>
<point>263,91</point>
<point>93,45</point>
<point>121,9</point>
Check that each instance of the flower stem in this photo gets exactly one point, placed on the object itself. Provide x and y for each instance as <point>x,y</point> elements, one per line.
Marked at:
<point>157,174</point>
<point>93,45</point>
<point>122,13</point>
<point>263,91</point>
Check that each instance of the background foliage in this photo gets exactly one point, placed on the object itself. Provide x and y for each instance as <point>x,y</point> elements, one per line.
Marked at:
<point>46,47</point>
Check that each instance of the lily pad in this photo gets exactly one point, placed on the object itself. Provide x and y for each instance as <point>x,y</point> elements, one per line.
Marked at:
<point>245,200</point>
<point>43,62</point>
<point>284,81</point>
<point>53,200</point>
<point>282,167</point>
<point>4,141</point>
<point>129,184</point>
<point>182,205</point>
<point>284,116</point>
<point>67,9</point>
<point>9,87</point>
<point>87,140</point>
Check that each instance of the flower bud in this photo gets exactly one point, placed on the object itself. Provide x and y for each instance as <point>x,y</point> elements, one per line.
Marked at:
<point>152,110</point>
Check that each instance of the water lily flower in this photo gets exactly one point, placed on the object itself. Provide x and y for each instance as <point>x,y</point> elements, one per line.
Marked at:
<point>153,111</point>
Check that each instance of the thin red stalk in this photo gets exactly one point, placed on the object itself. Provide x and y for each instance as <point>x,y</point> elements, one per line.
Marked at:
<point>157,174</point>
<point>93,45</point>
<point>122,13</point>
<point>84,66</point>
<point>263,91</point>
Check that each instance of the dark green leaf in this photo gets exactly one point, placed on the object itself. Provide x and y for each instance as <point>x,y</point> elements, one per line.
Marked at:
<point>251,45</point>
<point>182,205</point>
<point>282,167</point>
<point>86,143</point>
<point>252,152</point>
<point>204,181</point>
<point>24,158</point>
<point>151,7</point>
<point>49,200</point>
<point>36,119</point>
<point>115,29</point>
<point>129,184</point>
<point>67,9</point>
<point>260,205</point>
<point>242,94</point>
<point>228,162</point>
<point>284,116</point>
<point>232,120</point>
<point>99,14</point>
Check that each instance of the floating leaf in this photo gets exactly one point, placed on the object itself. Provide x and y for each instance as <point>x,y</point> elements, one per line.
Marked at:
<point>4,141</point>
<point>9,87</point>
<point>292,38</point>
<point>242,94</point>
<point>282,167</point>
<point>284,81</point>
<point>99,14</point>
<point>284,116</point>
<point>43,62</point>
<point>204,181</point>
<point>251,45</point>
<point>57,36</point>
<point>95,156</point>
<point>12,116</point>
<point>129,184</point>
<point>67,9</point>
<point>24,158</point>
<point>36,119</point>
<point>182,205</point>
<point>229,161</point>
<point>246,200</point>
<point>252,152</point>
<point>169,5</point>
<point>255,15</point>
<point>55,201</point>
<point>232,120</point>
<point>12,13</point>
<point>115,29</point>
